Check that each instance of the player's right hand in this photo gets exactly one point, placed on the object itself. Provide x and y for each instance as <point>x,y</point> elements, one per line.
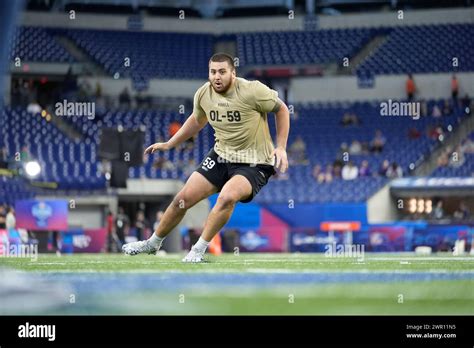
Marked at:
<point>157,147</point>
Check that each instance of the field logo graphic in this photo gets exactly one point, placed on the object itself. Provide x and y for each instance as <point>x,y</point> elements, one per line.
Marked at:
<point>42,212</point>
<point>251,240</point>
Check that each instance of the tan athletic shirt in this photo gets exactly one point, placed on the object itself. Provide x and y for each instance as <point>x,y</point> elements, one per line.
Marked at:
<point>239,119</point>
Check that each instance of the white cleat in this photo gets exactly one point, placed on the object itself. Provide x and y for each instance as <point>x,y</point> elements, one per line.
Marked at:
<point>139,247</point>
<point>194,256</point>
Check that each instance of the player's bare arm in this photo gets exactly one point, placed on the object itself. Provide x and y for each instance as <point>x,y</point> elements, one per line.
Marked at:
<point>282,118</point>
<point>189,129</point>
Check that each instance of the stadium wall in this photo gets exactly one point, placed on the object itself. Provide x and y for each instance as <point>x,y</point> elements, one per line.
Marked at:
<point>390,18</point>
<point>163,24</point>
<point>252,24</point>
<point>310,215</point>
<point>380,207</point>
<point>306,89</point>
<point>157,87</point>
<point>345,88</point>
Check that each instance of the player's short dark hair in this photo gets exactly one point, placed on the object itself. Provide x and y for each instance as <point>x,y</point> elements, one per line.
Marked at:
<point>223,57</point>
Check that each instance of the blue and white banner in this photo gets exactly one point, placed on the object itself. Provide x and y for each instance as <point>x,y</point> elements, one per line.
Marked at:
<point>432,183</point>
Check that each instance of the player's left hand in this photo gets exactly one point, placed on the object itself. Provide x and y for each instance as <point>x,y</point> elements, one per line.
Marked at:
<point>281,159</point>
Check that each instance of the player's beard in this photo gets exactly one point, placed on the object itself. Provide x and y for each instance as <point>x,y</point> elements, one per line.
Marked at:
<point>224,86</point>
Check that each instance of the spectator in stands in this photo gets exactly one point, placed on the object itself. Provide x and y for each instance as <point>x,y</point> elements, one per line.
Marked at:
<point>25,154</point>
<point>3,217</point>
<point>3,158</point>
<point>317,173</point>
<point>394,171</point>
<point>10,221</point>
<point>355,148</point>
<point>350,119</point>
<point>173,128</point>
<point>443,159</point>
<point>33,108</point>
<point>438,211</point>
<point>337,168</point>
<point>142,101</point>
<point>365,147</point>
<point>189,144</point>
<point>109,226</point>
<point>423,108</point>
<point>105,167</point>
<point>378,142</point>
<point>350,171</point>
<point>346,120</point>
<point>466,104</point>
<point>122,224</point>
<point>98,90</point>
<point>414,133</point>
<point>454,87</point>
<point>25,92</point>
<point>69,88</point>
<point>298,151</point>
<point>163,164</point>
<point>435,132</point>
<point>462,212</point>
<point>364,170</point>
<point>467,146</point>
<point>328,174</point>
<point>159,216</point>
<point>100,102</point>
<point>188,168</point>
<point>85,91</point>
<point>384,167</point>
<point>124,98</point>
<point>15,93</point>
<point>343,151</point>
<point>410,87</point>
<point>320,176</point>
<point>447,108</point>
<point>436,112</point>
<point>141,225</point>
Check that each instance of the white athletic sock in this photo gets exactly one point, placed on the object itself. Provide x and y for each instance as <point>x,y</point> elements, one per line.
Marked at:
<point>156,241</point>
<point>201,245</point>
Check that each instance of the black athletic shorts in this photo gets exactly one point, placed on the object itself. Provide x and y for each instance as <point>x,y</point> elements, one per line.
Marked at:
<point>218,171</point>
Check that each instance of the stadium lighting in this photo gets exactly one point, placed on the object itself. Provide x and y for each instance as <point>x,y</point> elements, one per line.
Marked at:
<point>32,169</point>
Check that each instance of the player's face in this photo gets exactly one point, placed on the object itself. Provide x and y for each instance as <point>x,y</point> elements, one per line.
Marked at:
<point>221,76</point>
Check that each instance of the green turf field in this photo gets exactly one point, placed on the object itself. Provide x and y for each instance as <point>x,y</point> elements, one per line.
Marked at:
<point>272,284</point>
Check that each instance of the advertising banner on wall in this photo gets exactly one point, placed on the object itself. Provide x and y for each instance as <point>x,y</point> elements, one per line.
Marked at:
<point>80,240</point>
<point>42,215</point>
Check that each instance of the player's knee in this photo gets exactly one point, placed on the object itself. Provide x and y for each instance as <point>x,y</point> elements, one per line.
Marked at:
<point>227,199</point>
<point>182,201</point>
